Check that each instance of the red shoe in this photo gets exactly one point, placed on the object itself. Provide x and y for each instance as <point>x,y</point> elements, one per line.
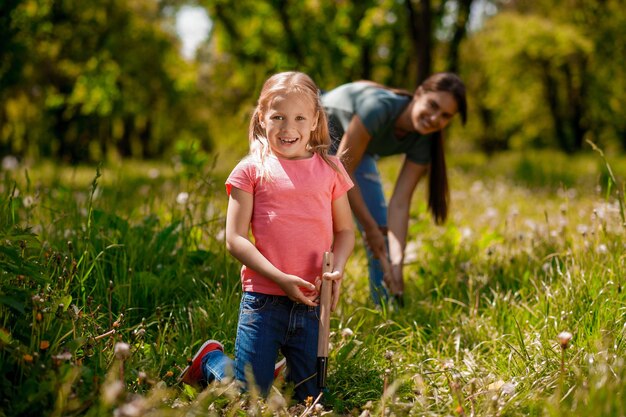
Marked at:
<point>192,374</point>
<point>279,368</point>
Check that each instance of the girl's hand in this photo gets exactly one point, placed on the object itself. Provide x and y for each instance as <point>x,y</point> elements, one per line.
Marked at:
<point>292,286</point>
<point>335,277</point>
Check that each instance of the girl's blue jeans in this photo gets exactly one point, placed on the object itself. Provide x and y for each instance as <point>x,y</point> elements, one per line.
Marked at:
<point>368,178</point>
<point>269,324</point>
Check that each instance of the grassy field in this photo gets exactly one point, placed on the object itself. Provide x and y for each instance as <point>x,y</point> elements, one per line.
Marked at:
<point>111,277</point>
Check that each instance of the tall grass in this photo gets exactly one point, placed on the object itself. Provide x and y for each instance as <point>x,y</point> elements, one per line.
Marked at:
<point>110,281</point>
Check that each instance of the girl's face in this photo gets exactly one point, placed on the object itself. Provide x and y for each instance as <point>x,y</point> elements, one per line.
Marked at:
<point>288,123</point>
<point>432,111</point>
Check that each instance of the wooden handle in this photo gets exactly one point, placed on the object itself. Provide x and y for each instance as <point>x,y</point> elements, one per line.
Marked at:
<point>325,298</point>
<point>326,291</point>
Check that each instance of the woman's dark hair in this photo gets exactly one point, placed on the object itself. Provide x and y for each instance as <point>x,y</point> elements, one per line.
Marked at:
<point>438,191</point>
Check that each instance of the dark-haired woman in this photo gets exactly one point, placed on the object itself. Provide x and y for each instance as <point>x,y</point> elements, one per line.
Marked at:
<point>369,121</point>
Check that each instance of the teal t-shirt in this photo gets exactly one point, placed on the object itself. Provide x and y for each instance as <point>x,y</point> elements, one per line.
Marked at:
<point>378,109</point>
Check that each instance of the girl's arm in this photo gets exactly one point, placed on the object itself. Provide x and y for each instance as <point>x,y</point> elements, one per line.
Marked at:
<point>238,217</point>
<point>398,218</point>
<point>343,243</point>
<point>351,149</point>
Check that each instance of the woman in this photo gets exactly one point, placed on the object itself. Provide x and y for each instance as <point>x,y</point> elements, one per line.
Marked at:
<point>368,121</point>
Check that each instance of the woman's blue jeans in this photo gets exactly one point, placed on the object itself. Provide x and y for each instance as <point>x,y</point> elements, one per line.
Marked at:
<point>368,178</point>
<point>269,324</point>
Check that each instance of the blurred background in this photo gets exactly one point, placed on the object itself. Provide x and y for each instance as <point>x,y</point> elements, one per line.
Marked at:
<point>82,82</point>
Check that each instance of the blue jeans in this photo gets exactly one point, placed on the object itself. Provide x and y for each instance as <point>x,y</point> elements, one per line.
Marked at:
<point>368,178</point>
<point>269,324</point>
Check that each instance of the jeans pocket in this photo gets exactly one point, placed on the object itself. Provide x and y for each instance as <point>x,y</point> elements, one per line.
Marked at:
<point>253,302</point>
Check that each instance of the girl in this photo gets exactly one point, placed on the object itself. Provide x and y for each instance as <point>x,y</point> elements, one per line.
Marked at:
<point>293,197</point>
<point>369,120</point>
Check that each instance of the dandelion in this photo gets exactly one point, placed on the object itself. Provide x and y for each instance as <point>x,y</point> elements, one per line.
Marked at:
<point>182,198</point>
<point>135,408</point>
<point>154,173</point>
<point>28,201</point>
<point>276,402</point>
<point>602,249</point>
<point>122,350</point>
<point>27,358</point>
<point>112,391</point>
<point>10,163</point>
<point>508,388</point>
<point>491,213</point>
<point>347,332</point>
<point>65,356</point>
<point>44,344</point>
<point>447,364</point>
<point>564,339</point>
<point>477,186</point>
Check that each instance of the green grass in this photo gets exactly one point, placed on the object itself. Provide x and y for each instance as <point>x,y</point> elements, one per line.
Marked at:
<point>534,246</point>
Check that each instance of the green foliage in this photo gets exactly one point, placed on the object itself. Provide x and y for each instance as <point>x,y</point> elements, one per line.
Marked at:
<point>92,82</point>
<point>547,74</point>
<point>91,263</point>
<point>525,70</point>
<point>98,80</point>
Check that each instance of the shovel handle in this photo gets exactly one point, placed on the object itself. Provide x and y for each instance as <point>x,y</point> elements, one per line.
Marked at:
<point>324,326</point>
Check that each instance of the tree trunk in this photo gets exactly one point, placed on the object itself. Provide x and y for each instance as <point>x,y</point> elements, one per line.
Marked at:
<point>460,30</point>
<point>576,95</point>
<point>293,44</point>
<point>421,36</point>
<point>366,61</point>
<point>551,91</point>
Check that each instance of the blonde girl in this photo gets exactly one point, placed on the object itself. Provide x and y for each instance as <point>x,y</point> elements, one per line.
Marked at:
<point>292,196</point>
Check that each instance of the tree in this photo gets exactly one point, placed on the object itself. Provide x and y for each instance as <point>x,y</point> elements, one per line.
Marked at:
<point>529,77</point>
<point>98,78</point>
<point>584,93</point>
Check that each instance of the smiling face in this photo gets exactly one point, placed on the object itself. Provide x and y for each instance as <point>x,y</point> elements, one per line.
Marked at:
<point>432,111</point>
<point>288,123</point>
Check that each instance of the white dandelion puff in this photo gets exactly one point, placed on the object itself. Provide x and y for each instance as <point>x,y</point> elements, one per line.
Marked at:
<point>182,198</point>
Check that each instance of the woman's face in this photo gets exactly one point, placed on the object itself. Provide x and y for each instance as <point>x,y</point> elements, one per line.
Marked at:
<point>432,111</point>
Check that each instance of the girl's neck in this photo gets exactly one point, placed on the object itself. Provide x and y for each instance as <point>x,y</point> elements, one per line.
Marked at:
<point>309,155</point>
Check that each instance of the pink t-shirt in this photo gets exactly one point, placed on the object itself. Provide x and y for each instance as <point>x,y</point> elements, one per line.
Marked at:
<point>292,222</point>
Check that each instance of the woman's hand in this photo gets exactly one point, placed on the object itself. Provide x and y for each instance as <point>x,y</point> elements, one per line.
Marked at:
<point>376,242</point>
<point>397,280</point>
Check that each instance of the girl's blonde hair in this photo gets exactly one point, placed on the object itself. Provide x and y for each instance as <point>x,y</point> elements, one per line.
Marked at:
<point>285,83</point>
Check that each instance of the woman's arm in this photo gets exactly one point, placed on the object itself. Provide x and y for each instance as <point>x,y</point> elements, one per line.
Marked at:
<point>398,217</point>
<point>343,244</point>
<point>351,149</point>
<point>238,217</point>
